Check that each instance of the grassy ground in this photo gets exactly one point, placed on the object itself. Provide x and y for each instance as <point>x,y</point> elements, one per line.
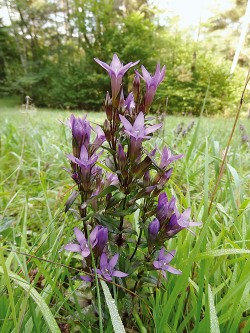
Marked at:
<point>211,295</point>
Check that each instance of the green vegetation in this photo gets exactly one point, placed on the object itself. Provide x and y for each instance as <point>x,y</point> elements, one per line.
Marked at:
<point>211,295</point>
<point>47,53</point>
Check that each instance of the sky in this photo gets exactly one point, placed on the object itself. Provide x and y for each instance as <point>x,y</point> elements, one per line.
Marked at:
<point>191,12</point>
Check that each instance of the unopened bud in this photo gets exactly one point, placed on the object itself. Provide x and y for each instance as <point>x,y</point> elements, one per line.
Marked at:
<point>107,130</point>
<point>108,107</point>
<point>136,87</point>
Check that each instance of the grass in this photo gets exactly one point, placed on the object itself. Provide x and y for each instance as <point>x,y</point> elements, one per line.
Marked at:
<point>37,292</point>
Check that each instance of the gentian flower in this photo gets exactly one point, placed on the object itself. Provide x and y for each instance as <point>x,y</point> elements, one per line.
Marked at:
<point>167,157</point>
<point>137,133</point>
<point>107,267</point>
<point>100,138</point>
<point>165,208</point>
<point>80,132</point>
<point>129,102</point>
<point>153,230</point>
<point>179,222</point>
<point>152,82</point>
<point>82,247</point>
<point>116,71</point>
<point>138,130</point>
<point>162,262</point>
<point>99,238</point>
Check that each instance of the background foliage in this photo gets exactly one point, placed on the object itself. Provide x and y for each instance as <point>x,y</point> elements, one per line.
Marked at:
<point>47,52</point>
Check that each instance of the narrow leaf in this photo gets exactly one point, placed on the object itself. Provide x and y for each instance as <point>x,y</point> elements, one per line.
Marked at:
<point>48,316</point>
<point>115,317</point>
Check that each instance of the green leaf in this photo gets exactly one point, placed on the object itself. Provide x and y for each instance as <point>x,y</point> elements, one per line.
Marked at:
<point>213,319</point>
<point>115,317</point>
<point>45,310</point>
<point>218,253</point>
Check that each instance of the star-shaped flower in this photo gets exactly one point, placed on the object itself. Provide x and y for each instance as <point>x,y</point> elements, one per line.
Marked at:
<point>152,82</point>
<point>162,262</point>
<point>138,130</point>
<point>107,267</point>
<point>116,71</point>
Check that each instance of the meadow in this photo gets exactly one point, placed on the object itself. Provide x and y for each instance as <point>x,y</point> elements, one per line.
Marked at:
<point>38,291</point>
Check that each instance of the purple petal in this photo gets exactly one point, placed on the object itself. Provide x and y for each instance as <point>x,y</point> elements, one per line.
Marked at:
<point>71,158</point>
<point>152,129</point>
<point>113,260</point>
<point>157,264</point>
<point>72,247</point>
<point>86,252</point>
<point>195,224</point>
<point>126,123</point>
<point>98,271</point>
<point>115,63</point>
<point>86,278</point>
<point>161,254</point>
<point>145,73</point>
<point>93,234</point>
<point>139,122</point>
<point>169,256</point>
<point>173,270</point>
<point>79,235</point>
<point>104,65</point>
<point>103,260</point>
<point>119,274</point>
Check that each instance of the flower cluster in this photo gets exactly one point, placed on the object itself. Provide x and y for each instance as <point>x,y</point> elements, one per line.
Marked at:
<point>118,173</point>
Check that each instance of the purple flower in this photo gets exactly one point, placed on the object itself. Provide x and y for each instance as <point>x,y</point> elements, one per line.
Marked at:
<point>152,83</point>
<point>138,130</point>
<point>82,247</point>
<point>121,157</point>
<point>167,157</point>
<point>129,102</point>
<point>81,133</point>
<point>162,262</point>
<point>179,222</point>
<point>99,238</point>
<point>153,230</point>
<point>107,267</point>
<point>116,71</point>
<point>100,138</point>
<point>165,208</point>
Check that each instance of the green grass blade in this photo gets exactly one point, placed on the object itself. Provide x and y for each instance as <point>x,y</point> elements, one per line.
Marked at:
<point>48,316</point>
<point>115,317</point>
<point>213,319</point>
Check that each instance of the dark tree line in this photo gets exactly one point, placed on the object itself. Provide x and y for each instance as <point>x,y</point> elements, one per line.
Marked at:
<point>47,52</point>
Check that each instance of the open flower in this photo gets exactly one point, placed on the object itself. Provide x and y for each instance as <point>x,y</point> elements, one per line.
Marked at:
<point>165,208</point>
<point>116,71</point>
<point>162,262</point>
<point>138,130</point>
<point>98,238</point>
<point>179,222</point>
<point>82,247</point>
<point>167,157</point>
<point>152,82</point>
<point>107,267</point>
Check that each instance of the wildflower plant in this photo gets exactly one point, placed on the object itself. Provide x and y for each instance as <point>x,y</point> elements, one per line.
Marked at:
<point>125,217</point>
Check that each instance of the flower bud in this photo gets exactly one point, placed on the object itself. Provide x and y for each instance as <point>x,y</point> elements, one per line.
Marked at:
<point>121,157</point>
<point>136,87</point>
<point>107,130</point>
<point>108,107</point>
<point>146,178</point>
<point>153,230</point>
